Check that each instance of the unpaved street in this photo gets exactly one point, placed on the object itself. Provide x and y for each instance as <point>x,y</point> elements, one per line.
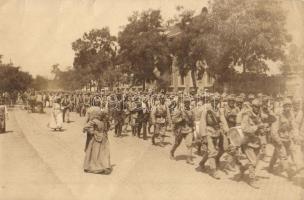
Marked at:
<point>48,165</point>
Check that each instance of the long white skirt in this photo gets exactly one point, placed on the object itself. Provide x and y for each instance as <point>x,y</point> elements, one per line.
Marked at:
<point>56,120</point>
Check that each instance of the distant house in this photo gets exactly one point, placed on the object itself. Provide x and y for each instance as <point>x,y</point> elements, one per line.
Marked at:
<point>295,78</point>
<point>179,82</point>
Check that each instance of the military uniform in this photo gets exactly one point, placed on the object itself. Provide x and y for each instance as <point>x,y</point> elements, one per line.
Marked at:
<point>283,139</point>
<point>184,125</point>
<point>211,130</point>
<point>160,118</point>
<point>230,112</point>
<point>66,104</point>
<point>252,128</point>
<point>145,116</point>
<point>118,116</point>
<point>86,104</point>
<point>136,114</point>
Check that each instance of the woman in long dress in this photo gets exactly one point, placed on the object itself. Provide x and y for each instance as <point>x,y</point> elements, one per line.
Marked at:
<point>97,150</point>
<point>56,116</point>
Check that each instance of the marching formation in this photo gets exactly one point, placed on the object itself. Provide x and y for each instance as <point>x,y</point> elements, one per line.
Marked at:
<point>235,127</point>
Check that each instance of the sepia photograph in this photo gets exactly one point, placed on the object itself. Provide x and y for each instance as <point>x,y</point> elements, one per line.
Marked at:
<point>151,99</point>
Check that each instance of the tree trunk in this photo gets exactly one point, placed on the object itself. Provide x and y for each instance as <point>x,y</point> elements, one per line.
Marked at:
<point>144,85</point>
<point>193,76</point>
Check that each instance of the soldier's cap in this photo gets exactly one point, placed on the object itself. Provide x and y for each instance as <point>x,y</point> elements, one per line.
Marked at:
<point>251,96</point>
<point>265,98</point>
<point>215,97</point>
<point>296,101</point>
<point>279,96</point>
<point>239,99</point>
<point>290,96</point>
<point>187,100</point>
<point>231,97</point>
<point>286,102</point>
<point>243,95</point>
<point>256,102</point>
<point>161,97</point>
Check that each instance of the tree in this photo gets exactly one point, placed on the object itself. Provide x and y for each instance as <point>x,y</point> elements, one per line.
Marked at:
<point>95,52</point>
<point>12,79</point>
<point>251,32</point>
<point>144,46</point>
<point>245,33</point>
<point>40,83</point>
<point>56,71</point>
<point>70,79</point>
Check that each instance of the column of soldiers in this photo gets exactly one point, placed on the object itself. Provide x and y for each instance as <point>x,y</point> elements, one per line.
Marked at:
<point>237,127</point>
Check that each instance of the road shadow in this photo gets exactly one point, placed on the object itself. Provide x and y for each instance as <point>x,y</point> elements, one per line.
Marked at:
<point>69,122</point>
<point>298,181</point>
<point>275,172</point>
<point>6,132</point>
<point>166,144</point>
<point>121,136</point>
<point>58,131</point>
<point>183,157</point>
<point>147,138</point>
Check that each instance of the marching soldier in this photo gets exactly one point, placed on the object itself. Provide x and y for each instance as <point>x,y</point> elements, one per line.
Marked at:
<point>231,111</point>
<point>268,118</point>
<point>160,118</point>
<point>239,102</point>
<point>283,137</point>
<point>136,114</point>
<point>211,128</point>
<point>86,104</point>
<point>146,110</point>
<point>252,127</point>
<point>118,116</point>
<point>184,125</point>
<point>66,105</point>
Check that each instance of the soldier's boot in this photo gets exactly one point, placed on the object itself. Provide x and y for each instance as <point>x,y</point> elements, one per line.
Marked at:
<point>231,163</point>
<point>199,148</point>
<point>215,174</point>
<point>162,141</point>
<point>252,179</point>
<point>172,155</point>
<point>133,131</point>
<point>119,130</point>
<point>153,139</point>
<point>213,168</point>
<point>189,157</point>
<point>145,131</point>
<point>241,174</point>
<point>285,165</point>
<point>149,129</point>
<point>272,161</point>
<point>253,183</point>
<point>138,130</point>
<point>115,131</point>
<point>290,174</point>
<point>203,162</point>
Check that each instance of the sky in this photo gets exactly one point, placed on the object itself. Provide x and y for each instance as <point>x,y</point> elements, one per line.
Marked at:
<point>36,34</point>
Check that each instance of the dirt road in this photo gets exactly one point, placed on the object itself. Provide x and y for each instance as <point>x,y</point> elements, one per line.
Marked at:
<point>38,164</point>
